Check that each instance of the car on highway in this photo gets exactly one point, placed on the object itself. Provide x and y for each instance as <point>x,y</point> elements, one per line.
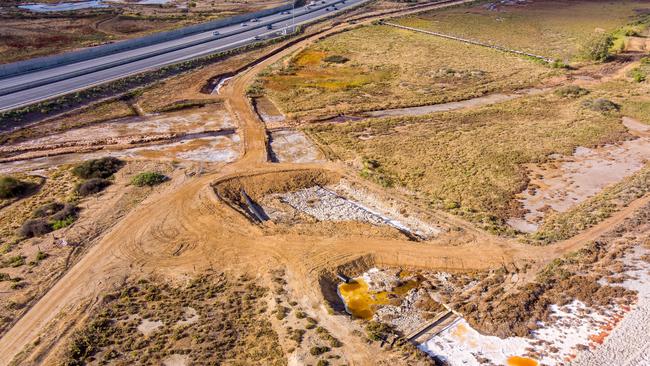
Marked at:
<point>255,20</point>
<point>244,25</point>
<point>216,33</point>
<point>257,38</point>
<point>270,26</point>
<point>327,9</point>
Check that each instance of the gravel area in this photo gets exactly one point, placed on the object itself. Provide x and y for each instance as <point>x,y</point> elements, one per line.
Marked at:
<point>325,204</point>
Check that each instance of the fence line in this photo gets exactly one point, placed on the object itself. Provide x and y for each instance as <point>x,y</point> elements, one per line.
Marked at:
<point>473,42</point>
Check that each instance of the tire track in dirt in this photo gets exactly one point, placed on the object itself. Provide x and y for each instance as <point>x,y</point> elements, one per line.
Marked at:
<point>211,234</point>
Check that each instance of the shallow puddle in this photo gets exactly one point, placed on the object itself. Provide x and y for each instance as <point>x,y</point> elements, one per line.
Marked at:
<point>359,301</point>
<point>363,295</point>
<point>521,361</point>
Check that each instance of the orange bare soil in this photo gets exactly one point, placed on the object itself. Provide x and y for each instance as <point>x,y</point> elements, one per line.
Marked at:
<point>190,226</point>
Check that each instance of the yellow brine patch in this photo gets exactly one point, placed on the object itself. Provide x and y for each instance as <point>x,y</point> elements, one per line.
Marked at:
<point>361,302</point>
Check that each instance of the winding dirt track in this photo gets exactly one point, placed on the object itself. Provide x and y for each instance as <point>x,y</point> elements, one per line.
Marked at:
<point>188,229</point>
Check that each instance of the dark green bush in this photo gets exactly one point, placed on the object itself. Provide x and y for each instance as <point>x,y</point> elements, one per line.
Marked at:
<point>571,91</point>
<point>66,212</point>
<point>601,105</point>
<point>315,351</point>
<point>336,59</point>
<point>98,168</point>
<point>148,179</point>
<point>48,209</point>
<point>598,48</point>
<point>11,187</point>
<point>35,227</point>
<point>92,186</point>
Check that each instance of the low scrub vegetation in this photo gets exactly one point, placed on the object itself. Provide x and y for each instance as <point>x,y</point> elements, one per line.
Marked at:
<point>558,30</point>
<point>11,187</point>
<point>560,226</point>
<point>231,327</point>
<point>601,105</point>
<point>98,168</point>
<point>148,179</point>
<point>637,108</point>
<point>571,91</point>
<point>318,81</point>
<point>92,186</point>
<point>49,217</point>
<point>471,163</point>
<point>598,48</point>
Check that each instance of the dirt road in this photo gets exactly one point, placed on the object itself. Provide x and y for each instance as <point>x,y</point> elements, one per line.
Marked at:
<point>187,229</point>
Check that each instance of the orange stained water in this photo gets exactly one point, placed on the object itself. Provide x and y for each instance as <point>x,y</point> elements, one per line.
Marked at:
<point>358,298</point>
<point>361,302</point>
<point>521,361</point>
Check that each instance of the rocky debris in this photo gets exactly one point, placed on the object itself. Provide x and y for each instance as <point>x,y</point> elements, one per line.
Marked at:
<point>332,204</point>
<point>404,317</point>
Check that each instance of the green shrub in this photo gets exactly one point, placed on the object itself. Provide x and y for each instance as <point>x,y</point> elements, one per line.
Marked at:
<point>41,255</point>
<point>35,227</point>
<point>66,212</point>
<point>98,168</point>
<point>92,186</point>
<point>316,350</point>
<point>336,59</point>
<point>571,91</point>
<point>598,48</point>
<point>639,75</point>
<point>11,187</point>
<point>60,224</point>
<point>601,105</point>
<point>15,261</point>
<point>48,209</point>
<point>377,331</point>
<point>148,179</point>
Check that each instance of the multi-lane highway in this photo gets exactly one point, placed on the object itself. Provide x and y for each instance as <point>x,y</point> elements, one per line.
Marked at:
<point>22,90</point>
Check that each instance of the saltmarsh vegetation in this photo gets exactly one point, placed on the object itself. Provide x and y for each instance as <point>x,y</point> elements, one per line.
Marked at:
<point>378,66</point>
<point>148,179</point>
<point>472,162</point>
<point>96,173</point>
<point>554,29</point>
<point>11,187</point>
<point>231,325</point>
<point>49,217</point>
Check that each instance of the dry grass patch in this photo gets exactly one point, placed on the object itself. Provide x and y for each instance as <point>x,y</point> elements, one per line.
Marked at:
<point>470,162</point>
<point>378,67</point>
<point>556,29</point>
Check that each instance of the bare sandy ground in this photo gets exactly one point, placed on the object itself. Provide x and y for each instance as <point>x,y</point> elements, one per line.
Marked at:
<point>570,180</point>
<point>187,228</point>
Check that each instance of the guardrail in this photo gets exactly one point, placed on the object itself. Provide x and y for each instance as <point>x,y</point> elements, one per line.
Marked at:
<point>22,67</point>
<point>79,72</point>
